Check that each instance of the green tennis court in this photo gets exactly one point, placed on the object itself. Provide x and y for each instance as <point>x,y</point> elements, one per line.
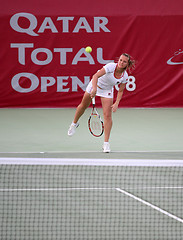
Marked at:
<point>134,130</point>
<point>58,187</point>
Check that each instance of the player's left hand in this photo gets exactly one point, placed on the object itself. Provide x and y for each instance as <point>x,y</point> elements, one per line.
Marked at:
<point>114,107</point>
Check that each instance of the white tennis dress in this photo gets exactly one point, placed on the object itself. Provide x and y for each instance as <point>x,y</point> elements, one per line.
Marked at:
<point>107,82</point>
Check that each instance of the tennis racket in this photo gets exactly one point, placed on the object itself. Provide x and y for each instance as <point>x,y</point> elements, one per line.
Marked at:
<point>95,123</point>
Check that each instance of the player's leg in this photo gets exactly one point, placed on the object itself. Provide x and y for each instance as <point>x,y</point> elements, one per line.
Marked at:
<point>107,113</point>
<point>86,100</point>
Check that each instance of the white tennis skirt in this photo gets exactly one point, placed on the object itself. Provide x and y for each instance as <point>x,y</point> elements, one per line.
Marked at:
<point>100,92</point>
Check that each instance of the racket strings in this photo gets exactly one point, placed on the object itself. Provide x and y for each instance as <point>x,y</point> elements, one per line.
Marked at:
<point>95,125</point>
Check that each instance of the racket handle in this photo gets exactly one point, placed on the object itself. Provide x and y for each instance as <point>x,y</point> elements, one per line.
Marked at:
<point>93,100</point>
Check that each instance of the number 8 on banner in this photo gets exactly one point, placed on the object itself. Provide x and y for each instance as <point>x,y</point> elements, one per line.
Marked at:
<point>130,85</point>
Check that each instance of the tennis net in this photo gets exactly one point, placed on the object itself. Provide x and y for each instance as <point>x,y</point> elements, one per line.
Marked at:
<point>90,199</point>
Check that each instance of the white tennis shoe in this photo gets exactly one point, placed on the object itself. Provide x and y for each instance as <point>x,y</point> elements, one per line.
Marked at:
<point>72,128</point>
<point>106,147</point>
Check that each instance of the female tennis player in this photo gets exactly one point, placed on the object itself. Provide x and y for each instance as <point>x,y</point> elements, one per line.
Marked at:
<point>102,85</point>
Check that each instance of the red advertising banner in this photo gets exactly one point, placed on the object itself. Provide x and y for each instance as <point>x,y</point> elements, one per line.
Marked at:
<point>44,63</point>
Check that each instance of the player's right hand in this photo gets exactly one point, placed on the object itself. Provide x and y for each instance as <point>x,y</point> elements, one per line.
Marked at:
<point>93,93</point>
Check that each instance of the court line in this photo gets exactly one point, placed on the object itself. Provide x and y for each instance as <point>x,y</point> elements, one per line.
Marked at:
<point>118,189</point>
<point>150,205</point>
<point>50,189</point>
<point>70,189</point>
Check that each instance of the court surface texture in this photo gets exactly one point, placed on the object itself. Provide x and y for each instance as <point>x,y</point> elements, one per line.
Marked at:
<point>58,187</point>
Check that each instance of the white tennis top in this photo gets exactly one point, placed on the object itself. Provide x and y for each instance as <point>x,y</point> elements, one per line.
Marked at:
<point>108,81</point>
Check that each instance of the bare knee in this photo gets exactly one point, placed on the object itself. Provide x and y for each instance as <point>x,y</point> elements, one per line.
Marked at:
<point>107,116</point>
<point>84,103</point>
<point>82,107</point>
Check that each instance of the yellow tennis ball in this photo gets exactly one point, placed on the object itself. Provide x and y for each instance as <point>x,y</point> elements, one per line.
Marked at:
<point>88,49</point>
